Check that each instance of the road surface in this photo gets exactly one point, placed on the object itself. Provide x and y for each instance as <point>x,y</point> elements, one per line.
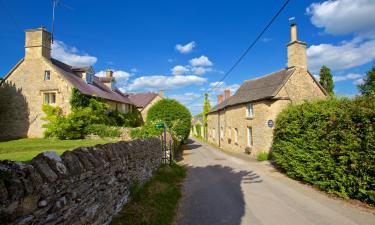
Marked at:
<point>223,189</point>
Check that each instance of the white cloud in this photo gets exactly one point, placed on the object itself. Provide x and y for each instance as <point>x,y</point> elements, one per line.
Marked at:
<point>71,55</point>
<point>201,61</point>
<point>359,81</point>
<point>344,16</point>
<point>179,70</point>
<point>350,76</point>
<point>185,98</point>
<point>157,82</point>
<point>121,77</point>
<point>342,56</point>
<point>200,70</point>
<point>184,49</point>
<point>133,70</point>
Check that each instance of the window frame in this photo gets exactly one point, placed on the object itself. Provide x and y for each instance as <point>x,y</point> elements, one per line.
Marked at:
<point>236,135</point>
<point>47,74</point>
<point>250,110</point>
<point>48,96</point>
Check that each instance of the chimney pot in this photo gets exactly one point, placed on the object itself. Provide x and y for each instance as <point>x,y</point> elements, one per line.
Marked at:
<point>293,32</point>
<point>161,93</point>
<point>227,93</point>
<point>219,99</point>
<point>109,73</point>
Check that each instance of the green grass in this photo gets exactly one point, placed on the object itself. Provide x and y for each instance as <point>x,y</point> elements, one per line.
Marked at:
<point>26,149</point>
<point>263,156</point>
<point>156,201</point>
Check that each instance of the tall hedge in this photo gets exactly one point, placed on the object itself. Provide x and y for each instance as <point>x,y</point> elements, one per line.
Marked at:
<point>330,144</point>
<point>171,112</point>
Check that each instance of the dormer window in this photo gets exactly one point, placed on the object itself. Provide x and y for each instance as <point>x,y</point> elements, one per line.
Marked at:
<point>47,75</point>
<point>89,78</point>
<point>249,110</point>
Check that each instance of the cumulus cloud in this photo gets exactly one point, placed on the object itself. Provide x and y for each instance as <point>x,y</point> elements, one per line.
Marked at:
<point>71,55</point>
<point>350,76</point>
<point>184,49</point>
<point>186,98</point>
<point>341,56</point>
<point>344,16</point>
<point>200,70</point>
<point>157,82</point>
<point>201,61</point>
<point>179,70</point>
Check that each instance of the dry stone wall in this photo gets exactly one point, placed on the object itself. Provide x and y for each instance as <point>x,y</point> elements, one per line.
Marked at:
<point>84,186</point>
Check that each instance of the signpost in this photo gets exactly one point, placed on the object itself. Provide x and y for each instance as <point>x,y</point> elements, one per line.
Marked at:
<point>164,142</point>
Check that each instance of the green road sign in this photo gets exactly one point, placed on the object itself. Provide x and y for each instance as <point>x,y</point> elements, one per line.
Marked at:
<point>160,125</point>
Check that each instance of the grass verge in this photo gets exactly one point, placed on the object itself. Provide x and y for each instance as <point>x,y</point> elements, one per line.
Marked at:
<point>155,202</point>
<point>263,156</point>
<point>28,148</point>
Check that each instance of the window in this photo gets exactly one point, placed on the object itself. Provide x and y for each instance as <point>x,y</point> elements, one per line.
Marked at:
<point>47,75</point>
<point>229,133</point>
<point>89,78</point>
<point>249,110</point>
<point>249,136</point>
<point>50,98</point>
<point>235,135</point>
<point>213,133</point>
<point>221,132</point>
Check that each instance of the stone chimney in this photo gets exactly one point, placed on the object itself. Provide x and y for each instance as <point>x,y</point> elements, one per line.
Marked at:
<point>226,93</point>
<point>37,43</point>
<point>219,99</point>
<point>109,73</point>
<point>161,93</point>
<point>296,50</point>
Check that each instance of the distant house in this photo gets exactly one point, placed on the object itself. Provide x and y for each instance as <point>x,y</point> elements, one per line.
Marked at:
<point>144,100</point>
<point>197,128</point>
<point>245,121</point>
<point>42,79</point>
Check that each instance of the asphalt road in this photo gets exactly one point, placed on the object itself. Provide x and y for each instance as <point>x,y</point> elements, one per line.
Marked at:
<point>223,189</point>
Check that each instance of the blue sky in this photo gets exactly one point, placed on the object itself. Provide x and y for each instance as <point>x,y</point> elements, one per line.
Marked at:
<point>186,46</point>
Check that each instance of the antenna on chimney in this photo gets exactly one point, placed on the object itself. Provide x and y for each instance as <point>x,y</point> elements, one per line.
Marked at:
<point>292,20</point>
<point>54,5</point>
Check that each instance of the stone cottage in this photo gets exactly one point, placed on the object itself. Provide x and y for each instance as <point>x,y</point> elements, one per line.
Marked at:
<point>197,126</point>
<point>144,100</point>
<point>245,121</point>
<point>41,79</point>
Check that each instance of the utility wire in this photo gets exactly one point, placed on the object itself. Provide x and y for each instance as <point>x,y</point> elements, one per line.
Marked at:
<point>220,82</point>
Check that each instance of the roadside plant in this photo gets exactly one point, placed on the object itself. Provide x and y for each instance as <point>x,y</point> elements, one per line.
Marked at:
<point>263,156</point>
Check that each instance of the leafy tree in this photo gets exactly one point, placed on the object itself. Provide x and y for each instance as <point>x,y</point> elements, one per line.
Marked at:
<point>206,110</point>
<point>176,116</point>
<point>368,87</point>
<point>326,80</point>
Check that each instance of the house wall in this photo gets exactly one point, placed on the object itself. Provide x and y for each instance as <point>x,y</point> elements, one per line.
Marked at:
<point>300,86</point>
<point>144,111</point>
<point>28,79</point>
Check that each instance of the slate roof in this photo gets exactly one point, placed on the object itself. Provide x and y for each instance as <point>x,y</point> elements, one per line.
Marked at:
<point>97,88</point>
<point>262,88</point>
<point>141,99</point>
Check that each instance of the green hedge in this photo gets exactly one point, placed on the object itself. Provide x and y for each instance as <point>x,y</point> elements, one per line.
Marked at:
<point>330,144</point>
<point>176,116</point>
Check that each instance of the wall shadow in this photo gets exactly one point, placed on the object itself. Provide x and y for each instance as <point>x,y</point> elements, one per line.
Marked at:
<point>213,195</point>
<point>14,112</point>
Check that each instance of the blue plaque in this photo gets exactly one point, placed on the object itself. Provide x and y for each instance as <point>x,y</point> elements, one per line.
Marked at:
<point>270,123</point>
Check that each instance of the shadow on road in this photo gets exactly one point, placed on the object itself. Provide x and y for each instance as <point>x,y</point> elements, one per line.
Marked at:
<point>213,195</point>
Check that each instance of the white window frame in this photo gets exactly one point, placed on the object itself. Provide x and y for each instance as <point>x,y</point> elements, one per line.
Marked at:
<point>47,75</point>
<point>47,98</point>
<point>250,110</point>
<point>213,133</point>
<point>250,140</point>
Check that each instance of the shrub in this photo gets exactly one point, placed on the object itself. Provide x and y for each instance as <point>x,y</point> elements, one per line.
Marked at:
<point>176,116</point>
<point>330,144</point>
<point>116,118</point>
<point>263,156</point>
<point>103,130</point>
<point>148,130</point>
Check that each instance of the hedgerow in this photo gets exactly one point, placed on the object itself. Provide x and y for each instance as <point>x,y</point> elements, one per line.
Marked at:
<point>330,144</point>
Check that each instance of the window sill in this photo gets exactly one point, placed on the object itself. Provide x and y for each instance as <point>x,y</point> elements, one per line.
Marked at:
<point>249,118</point>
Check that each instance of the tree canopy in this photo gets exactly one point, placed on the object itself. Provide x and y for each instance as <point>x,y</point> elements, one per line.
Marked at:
<point>368,86</point>
<point>326,80</point>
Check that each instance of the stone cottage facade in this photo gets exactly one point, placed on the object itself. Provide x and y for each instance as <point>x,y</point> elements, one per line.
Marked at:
<point>41,79</point>
<point>144,100</point>
<point>245,121</point>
